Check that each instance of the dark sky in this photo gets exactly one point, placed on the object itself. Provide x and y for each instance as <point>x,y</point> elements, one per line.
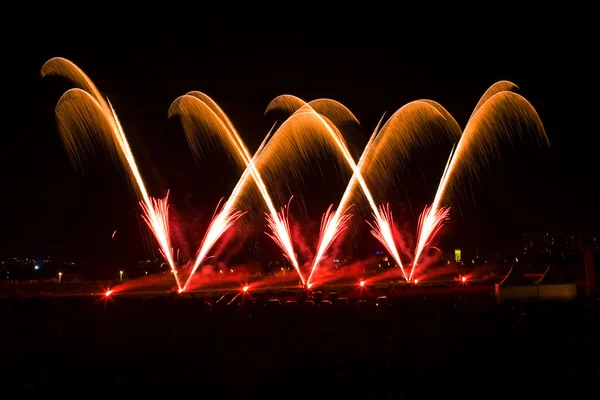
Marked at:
<point>244,61</point>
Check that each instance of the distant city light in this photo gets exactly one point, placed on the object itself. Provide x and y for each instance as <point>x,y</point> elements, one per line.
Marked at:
<point>457,255</point>
<point>37,267</point>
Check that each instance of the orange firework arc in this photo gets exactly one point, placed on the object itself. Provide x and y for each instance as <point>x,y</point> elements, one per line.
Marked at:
<point>333,135</point>
<point>84,117</point>
<point>224,219</point>
<point>499,113</point>
<point>404,128</point>
<point>197,110</point>
<point>200,114</point>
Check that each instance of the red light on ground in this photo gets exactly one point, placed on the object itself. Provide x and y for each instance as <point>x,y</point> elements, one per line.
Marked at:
<point>464,279</point>
<point>108,292</point>
<point>245,288</point>
<point>416,281</point>
<point>309,285</point>
<point>180,291</point>
<point>362,283</point>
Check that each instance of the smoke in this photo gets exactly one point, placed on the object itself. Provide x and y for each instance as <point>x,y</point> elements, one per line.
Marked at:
<point>159,282</point>
<point>304,233</point>
<point>331,273</point>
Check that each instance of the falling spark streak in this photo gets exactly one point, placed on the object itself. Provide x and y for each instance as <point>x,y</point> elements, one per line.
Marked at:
<point>155,217</point>
<point>496,103</point>
<point>280,229</point>
<point>282,217</point>
<point>381,230</point>
<point>156,212</point>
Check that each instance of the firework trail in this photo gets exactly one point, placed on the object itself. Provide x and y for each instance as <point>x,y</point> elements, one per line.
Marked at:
<point>84,117</point>
<point>430,222</point>
<point>499,113</point>
<point>404,129</point>
<point>198,110</point>
<point>200,114</point>
<point>225,218</point>
<point>325,241</point>
<point>275,231</point>
<point>332,224</point>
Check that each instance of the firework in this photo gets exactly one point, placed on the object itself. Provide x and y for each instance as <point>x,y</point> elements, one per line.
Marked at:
<point>333,224</point>
<point>405,129</point>
<point>499,113</point>
<point>335,137</point>
<point>84,117</point>
<point>198,110</point>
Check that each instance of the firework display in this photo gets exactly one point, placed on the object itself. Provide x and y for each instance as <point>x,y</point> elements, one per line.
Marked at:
<point>87,121</point>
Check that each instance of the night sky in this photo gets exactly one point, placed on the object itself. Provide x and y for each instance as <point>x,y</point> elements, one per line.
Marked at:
<point>243,62</point>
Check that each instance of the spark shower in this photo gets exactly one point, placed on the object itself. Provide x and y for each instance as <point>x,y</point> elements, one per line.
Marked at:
<point>86,120</point>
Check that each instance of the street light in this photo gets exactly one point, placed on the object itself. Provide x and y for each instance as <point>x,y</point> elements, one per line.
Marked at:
<point>121,275</point>
<point>59,277</point>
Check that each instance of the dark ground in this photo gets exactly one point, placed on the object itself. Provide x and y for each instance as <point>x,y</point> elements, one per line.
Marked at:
<point>451,346</point>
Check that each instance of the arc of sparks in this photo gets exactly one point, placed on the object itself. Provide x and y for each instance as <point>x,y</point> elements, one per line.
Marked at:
<point>336,222</point>
<point>225,218</point>
<point>479,139</point>
<point>337,138</point>
<point>404,126</point>
<point>196,103</point>
<point>205,110</point>
<point>76,110</point>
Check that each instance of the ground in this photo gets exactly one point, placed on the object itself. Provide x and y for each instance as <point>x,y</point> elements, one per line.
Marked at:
<point>422,346</point>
